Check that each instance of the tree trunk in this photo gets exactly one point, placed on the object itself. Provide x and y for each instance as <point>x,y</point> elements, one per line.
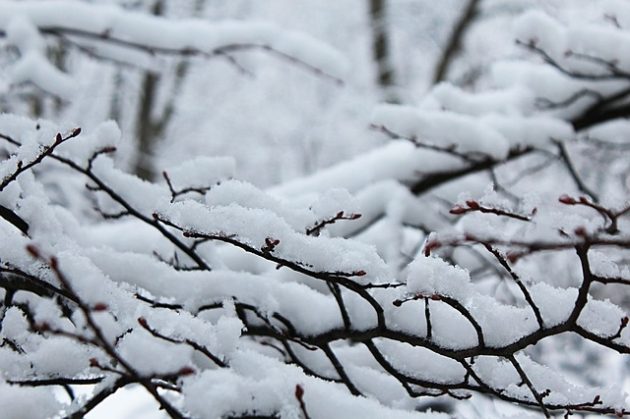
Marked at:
<point>147,129</point>
<point>381,50</point>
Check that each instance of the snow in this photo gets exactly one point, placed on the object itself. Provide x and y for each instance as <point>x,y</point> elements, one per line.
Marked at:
<point>604,266</point>
<point>35,69</point>
<point>618,9</point>
<point>512,101</point>
<point>267,290</point>
<point>60,357</point>
<point>105,135</point>
<point>443,129</point>
<point>248,196</point>
<point>166,358</point>
<point>18,402</point>
<point>22,21</point>
<point>254,227</point>
<point>143,196</point>
<point>195,289</point>
<point>555,304</point>
<point>201,172</point>
<point>588,39</point>
<point>32,65</point>
<point>397,160</point>
<point>433,275</point>
<point>601,317</point>
<point>270,387</point>
<point>536,131</point>
<point>422,363</point>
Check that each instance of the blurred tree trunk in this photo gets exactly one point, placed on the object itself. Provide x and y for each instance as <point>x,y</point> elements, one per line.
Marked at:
<point>147,130</point>
<point>381,50</point>
<point>454,44</point>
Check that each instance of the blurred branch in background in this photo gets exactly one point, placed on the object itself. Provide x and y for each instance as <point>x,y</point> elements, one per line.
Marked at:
<point>381,49</point>
<point>454,43</point>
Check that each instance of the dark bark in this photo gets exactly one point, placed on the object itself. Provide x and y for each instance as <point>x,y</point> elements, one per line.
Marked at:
<point>454,44</point>
<point>381,50</point>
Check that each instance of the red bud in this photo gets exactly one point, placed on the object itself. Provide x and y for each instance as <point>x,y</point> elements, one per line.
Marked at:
<point>430,246</point>
<point>42,327</point>
<point>186,371</point>
<point>457,210</point>
<point>271,242</point>
<point>299,392</point>
<point>580,231</point>
<point>100,307</point>
<point>33,250</point>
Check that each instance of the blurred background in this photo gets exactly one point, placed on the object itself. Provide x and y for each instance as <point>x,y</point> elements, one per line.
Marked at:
<point>281,121</point>
<point>258,107</point>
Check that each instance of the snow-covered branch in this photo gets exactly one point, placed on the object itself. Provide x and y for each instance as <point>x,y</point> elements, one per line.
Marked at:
<point>24,24</point>
<point>369,289</point>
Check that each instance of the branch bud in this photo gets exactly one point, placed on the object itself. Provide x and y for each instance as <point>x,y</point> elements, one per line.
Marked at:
<point>430,246</point>
<point>299,392</point>
<point>270,245</point>
<point>458,210</point>
<point>186,371</point>
<point>33,251</point>
<point>42,327</point>
<point>473,204</point>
